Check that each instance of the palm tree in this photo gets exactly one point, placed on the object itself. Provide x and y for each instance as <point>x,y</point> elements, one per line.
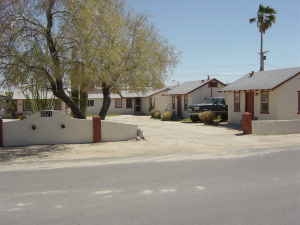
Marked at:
<point>265,19</point>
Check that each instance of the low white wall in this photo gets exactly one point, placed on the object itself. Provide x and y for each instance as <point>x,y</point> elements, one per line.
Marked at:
<point>275,126</point>
<point>112,131</point>
<point>48,130</point>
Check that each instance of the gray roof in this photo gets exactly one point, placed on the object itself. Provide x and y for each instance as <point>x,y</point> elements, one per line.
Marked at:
<point>263,80</point>
<point>188,87</point>
<point>18,94</point>
<point>128,94</point>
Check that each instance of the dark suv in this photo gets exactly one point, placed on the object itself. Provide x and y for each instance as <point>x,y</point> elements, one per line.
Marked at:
<point>215,104</point>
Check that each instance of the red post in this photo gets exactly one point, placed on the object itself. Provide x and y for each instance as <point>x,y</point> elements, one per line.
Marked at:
<point>1,133</point>
<point>247,123</point>
<point>96,129</point>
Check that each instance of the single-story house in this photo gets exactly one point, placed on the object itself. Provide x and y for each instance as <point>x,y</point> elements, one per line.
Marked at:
<point>24,105</point>
<point>268,95</point>
<point>193,92</point>
<point>128,102</point>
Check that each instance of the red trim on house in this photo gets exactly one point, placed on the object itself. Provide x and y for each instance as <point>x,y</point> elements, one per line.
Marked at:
<point>285,81</point>
<point>204,85</point>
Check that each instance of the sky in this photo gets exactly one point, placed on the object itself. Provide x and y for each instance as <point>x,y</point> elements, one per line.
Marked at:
<point>214,37</point>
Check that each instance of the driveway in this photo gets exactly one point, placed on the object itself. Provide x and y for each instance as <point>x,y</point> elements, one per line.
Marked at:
<point>164,140</point>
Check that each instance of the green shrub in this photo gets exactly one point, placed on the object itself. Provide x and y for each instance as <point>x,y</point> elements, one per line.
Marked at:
<point>156,114</point>
<point>207,117</point>
<point>195,117</point>
<point>21,117</point>
<point>167,116</point>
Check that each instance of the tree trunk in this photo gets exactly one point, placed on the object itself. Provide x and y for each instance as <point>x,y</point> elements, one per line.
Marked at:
<point>60,93</point>
<point>262,60</point>
<point>106,101</point>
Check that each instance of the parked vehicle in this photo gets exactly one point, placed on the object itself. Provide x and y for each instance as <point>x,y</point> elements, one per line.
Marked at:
<point>214,104</point>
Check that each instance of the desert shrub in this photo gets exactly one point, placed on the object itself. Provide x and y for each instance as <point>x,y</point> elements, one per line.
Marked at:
<point>195,117</point>
<point>167,116</point>
<point>207,117</point>
<point>156,114</point>
<point>21,117</point>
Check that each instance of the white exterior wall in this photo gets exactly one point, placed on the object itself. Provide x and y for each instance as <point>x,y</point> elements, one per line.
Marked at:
<point>112,109</point>
<point>48,130</point>
<point>287,100</point>
<point>263,127</point>
<point>162,102</point>
<point>112,131</point>
<point>283,103</point>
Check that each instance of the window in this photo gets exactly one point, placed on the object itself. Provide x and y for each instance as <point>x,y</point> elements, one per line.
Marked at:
<point>173,102</point>
<point>186,102</point>
<point>91,103</point>
<point>27,105</point>
<point>264,102</point>
<point>118,103</point>
<point>128,103</point>
<point>237,101</point>
<point>298,102</point>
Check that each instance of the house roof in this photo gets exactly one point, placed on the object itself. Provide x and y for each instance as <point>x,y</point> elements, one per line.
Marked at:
<point>189,86</point>
<point>128,94</point>
<point>263,80</point>
<point>18,94</point>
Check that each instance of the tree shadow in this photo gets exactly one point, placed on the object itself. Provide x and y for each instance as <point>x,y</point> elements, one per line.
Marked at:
<point>10,153</point>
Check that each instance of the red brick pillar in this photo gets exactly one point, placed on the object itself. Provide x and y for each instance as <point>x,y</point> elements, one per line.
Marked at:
<point>96,129</point>
<point>1,133</point>
<point>247,123</point>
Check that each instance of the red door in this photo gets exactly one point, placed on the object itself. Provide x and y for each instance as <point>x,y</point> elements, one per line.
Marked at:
<point>249,100</point>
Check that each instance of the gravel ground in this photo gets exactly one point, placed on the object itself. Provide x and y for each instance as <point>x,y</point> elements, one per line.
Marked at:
<point>163,139</point>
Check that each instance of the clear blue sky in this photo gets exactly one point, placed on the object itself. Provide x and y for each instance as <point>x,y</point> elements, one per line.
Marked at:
<point>214,36</point>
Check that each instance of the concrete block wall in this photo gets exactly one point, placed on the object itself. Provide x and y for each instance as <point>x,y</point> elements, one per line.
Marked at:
<point>59,128</point>
<point>264,127</point>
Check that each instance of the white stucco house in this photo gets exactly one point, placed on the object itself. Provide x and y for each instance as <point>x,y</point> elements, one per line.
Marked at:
<point>193,92</point>
<point>268,95</point>
<point>24,101</point>
<point>128,102</point>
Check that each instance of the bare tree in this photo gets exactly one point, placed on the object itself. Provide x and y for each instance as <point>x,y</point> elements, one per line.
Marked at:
<point>34,43</point>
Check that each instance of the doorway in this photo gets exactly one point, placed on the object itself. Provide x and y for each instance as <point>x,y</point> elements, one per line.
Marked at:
<point>179,106</point>
<point>137,105</point>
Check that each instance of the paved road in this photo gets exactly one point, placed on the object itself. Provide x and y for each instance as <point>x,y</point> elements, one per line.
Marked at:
<point>260,190</point>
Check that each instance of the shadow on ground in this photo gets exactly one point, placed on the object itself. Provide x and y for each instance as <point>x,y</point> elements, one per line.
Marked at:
<point>10,153</point>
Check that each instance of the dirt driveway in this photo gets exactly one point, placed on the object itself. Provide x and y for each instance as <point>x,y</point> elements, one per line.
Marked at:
<point>166,140</point>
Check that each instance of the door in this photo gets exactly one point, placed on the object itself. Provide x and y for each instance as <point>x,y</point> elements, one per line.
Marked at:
<point>137,105</point>
<point>249,100</point>
<point>179,106</point>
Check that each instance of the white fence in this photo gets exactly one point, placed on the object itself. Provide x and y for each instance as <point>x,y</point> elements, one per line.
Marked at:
<point>262,127</point>
<point>55,127</point>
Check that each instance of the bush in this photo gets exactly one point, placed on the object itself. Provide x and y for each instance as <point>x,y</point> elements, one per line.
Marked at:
<point>195,117</point>
<point>207,117</point>
<point>167,116</point>
<point>21,117</point>
<point>156,114</point>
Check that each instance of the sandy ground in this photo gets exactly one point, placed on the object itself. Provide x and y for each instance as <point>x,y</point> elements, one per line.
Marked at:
<point>163,139</point>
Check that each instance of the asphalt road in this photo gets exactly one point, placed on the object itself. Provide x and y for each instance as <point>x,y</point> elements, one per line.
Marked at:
<point>259,190</point>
